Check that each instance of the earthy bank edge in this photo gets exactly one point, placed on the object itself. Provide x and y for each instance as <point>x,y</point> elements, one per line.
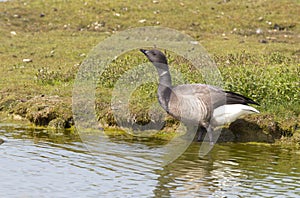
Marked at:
<point>54,114</point>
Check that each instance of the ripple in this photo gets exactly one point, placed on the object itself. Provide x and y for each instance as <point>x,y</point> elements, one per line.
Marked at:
<point>40,167</point>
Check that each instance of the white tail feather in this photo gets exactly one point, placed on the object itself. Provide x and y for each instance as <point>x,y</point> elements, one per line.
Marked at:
<point>228,113</point>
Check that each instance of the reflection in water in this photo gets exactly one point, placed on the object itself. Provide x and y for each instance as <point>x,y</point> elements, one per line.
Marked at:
<point>34,164</point>
<point>233,170</point>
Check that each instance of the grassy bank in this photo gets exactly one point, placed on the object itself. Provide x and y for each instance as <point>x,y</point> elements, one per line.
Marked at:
<point>254,43</point>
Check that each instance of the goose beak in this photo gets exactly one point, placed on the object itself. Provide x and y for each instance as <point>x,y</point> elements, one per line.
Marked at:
<point>144,51</point>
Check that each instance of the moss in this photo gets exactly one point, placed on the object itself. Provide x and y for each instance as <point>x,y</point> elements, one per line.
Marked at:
<point>57,123</point>
<point>42,110</point>
<point>7,102</point>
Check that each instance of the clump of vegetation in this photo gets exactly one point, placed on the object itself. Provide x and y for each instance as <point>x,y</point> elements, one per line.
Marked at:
<point>273,81</point>
<point>43,110</point>
<point>45,75</point>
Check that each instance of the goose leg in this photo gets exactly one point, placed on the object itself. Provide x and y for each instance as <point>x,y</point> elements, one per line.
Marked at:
<point>200,133</point>
<point>191,132</point>
<point>210,135</point>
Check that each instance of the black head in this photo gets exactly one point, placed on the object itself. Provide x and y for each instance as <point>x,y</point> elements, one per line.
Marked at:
<point>155,56</point>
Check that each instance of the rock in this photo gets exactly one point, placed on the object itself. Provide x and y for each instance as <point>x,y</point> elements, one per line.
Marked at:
<point>260,128</point>
<point>260,18</point>
<point>17,117</point>
<point>57,123</point>
<point>27,60</point>
<point>263,41</point>
<point>250,132</point>
<point>272,38</point>
<point>1,141</point>
<point>17,16</point>
<point>195,24</point>
<point>13,33</point>
<point>244,130</point>
<point>226,136</point>
<point>142,21</point>
<point>259,31</point>
<point>278,27</point>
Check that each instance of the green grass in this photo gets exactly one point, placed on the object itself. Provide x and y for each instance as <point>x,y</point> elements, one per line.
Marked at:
<point>59,41</point>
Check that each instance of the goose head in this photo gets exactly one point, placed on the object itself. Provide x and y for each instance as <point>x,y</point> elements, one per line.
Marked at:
<point>156,57</point>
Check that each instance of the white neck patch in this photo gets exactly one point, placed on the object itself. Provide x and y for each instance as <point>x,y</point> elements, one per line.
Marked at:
<point>164,73</point>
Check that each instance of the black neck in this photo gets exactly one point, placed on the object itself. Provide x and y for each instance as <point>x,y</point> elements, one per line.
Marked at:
<point>164,87</point>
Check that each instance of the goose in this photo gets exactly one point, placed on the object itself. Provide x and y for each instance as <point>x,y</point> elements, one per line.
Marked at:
<point>199,105</point>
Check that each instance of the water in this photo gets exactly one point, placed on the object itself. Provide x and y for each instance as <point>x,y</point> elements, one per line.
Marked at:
<point>36,164</point>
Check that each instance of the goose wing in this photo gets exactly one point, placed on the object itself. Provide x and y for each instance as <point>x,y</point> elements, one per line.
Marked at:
<point>212,96</point>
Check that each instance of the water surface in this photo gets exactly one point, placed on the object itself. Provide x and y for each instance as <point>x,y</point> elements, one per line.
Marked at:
<point>34,163</point>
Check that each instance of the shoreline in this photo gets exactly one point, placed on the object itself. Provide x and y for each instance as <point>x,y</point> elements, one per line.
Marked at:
<point>44,44</point>
<point>258,128</point>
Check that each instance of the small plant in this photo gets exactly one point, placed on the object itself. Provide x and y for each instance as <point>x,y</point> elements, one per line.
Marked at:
<point>46,76</point>
<point>272,84</point>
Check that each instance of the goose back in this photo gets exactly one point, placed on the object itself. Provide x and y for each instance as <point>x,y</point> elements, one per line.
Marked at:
<point>195,103</point>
